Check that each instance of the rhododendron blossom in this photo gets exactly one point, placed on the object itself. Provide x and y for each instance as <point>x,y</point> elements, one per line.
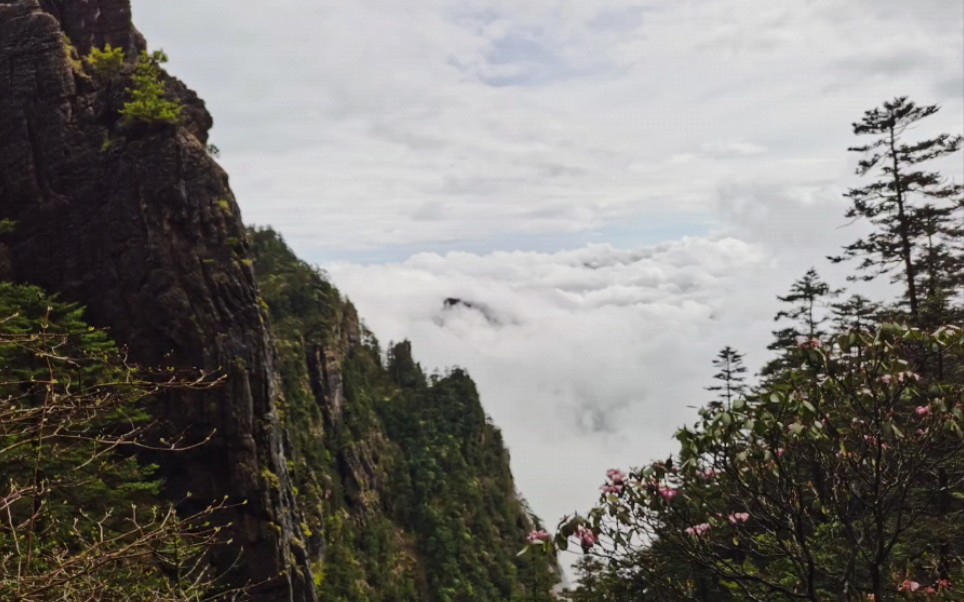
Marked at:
<point>668,493</point>
<point>923,411</point>
<point>616,489</point>
<point>539,536</point>
<point>698,530</point>
<point>586,537</point>
<point>618,477</point>
<point>908,586</point>
<point>738,517</point>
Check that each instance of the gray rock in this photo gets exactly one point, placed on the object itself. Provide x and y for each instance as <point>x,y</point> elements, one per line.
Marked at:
<point>139,225</point>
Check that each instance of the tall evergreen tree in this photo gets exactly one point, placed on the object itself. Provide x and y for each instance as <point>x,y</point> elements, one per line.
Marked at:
<point>905,202</point>
<point>804,304</point>
<point>730,378</point>
<point>855,314</point>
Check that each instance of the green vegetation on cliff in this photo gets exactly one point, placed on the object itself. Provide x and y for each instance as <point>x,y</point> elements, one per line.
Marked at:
<point>404,483</point>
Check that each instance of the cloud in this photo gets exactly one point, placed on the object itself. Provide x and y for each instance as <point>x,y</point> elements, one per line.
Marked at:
<point>348,124</point>
<point>590,358</point>
<point>587,358</point>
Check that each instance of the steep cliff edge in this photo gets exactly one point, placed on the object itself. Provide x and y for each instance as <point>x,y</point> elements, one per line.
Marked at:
<point>140,226</point>
<point>403,482</point>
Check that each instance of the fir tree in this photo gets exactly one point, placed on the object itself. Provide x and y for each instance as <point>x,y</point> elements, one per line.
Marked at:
<point>856,314</point>
<point>730,377</point>
<point>805,301</point>
<point>82,518</point>
<point>893,203</point>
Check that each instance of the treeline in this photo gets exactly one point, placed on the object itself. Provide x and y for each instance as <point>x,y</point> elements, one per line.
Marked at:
<point>839,473</point>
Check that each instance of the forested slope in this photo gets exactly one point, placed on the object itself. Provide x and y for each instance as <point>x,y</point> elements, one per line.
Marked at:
<point>404,482</point>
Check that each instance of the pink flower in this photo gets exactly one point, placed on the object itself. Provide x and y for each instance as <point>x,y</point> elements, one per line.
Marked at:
<point>930,591</point>
<point>668,493</point>
<point>708,474</point>
<point>908,586</point>
<point>617,489</point>
<point>738,517</point>
<point>618,477</point>
<point>586,537</point>
<point>539,536</point>
<point>698,530</point>
<point>780,452</point>
<point>923,411</point>
<point>806,344</point>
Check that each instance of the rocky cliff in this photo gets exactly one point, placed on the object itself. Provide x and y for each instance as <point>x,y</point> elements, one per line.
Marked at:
<point>139,224</point>
<point>403,483</point>
<point>353,480</point>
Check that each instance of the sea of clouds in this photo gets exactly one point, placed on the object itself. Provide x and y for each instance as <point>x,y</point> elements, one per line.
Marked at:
<point>587,358</point>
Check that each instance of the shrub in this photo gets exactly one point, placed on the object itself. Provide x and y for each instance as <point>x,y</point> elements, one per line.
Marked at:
<point>106,63</point>
<point>72,55</point>
<point>148,104</point>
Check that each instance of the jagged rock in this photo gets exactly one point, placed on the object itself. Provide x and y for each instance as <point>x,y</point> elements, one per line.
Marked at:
<point>139,225</point>
<point>452,303</point>
<point>324,373</point>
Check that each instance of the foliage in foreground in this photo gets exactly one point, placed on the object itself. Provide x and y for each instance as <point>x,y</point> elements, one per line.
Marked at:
<point>80,517</point>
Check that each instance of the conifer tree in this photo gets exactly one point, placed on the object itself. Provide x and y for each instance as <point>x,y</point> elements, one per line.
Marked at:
<point>730,377</point>
<point>905,203</point>
<point>856,314</point>
<point>804,300</point>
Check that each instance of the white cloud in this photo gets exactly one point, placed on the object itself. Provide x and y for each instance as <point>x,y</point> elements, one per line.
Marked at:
<point>587,358</point>
<point>347,123</point>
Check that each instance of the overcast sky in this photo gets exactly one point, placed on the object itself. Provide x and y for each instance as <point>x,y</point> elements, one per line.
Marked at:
<point>621,187</point>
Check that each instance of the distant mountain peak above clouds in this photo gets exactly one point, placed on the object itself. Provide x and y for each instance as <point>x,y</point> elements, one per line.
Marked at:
<point>455,304</point>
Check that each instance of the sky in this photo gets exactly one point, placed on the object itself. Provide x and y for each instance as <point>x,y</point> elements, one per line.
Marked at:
<point>618,187</point>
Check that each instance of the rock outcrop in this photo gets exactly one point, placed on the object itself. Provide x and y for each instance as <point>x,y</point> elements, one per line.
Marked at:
<point>139,224</point>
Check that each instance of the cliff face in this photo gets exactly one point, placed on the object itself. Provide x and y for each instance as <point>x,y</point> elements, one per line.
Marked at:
<point>139,224</point>
<point>403,483</point>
